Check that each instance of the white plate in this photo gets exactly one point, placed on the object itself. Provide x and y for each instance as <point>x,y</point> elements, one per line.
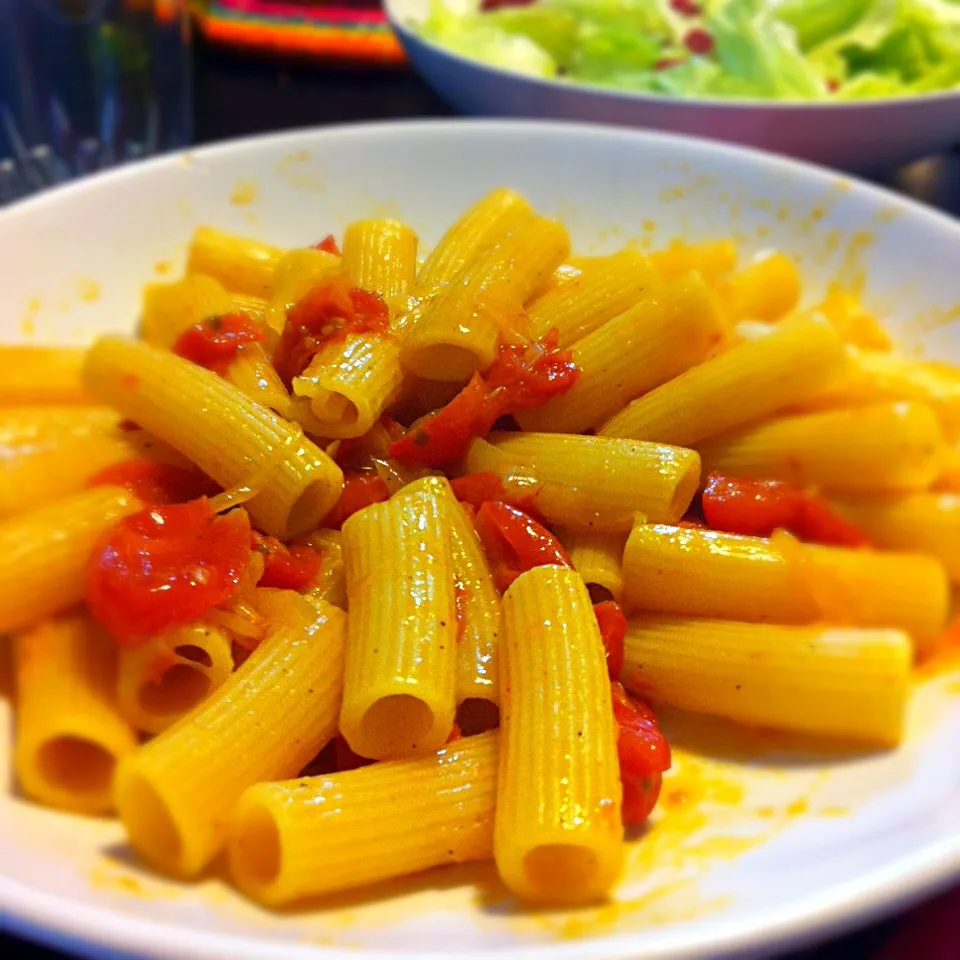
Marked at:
<point>778,843</point>
<point>851,136</point>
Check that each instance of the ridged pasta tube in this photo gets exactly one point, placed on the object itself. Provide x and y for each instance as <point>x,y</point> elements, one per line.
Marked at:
<point>36,375</point>
<point>242,265</point>
<point>380,256</point>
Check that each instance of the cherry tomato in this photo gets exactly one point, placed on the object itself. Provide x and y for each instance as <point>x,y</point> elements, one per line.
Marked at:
<point>287,568</point>
<point>165,567</point>
<point>639,799</point>
<point>328,245</point>
<point>528,376</point>
<point>359,490</point>
<point>476,489</point>
<point>214,343</point>
<point>155,483</point>
<point>514,542</point>
<point>613,630</point>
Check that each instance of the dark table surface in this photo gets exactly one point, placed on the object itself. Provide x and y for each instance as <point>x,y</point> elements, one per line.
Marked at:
<point>238,95</point>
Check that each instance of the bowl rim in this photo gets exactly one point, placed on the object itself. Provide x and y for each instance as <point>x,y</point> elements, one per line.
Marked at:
<point>408,35</point>
<point>64,922</point>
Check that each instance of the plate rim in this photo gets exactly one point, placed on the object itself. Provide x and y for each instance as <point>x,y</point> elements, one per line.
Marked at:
<point>43,917</point>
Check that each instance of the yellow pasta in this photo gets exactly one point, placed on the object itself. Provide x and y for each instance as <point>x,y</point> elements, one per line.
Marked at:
<point>882,447</point>
<point>69,734</point>
<point>598,294</point>
<point>242,265</point>
<point>711,259</point>
<point>746,383</point>
<point>253,308</point>
<point>456,333</point>
<point>703,573</point>
<point>44,553</point>
<point>350,383</point>
<point>592,483</point>
<point>598,558</point>
<point>165,677</point>
<point>275,713</point>
<point>672,328</point>
<point>400,681</point>
<point>929,522</point>
<point>297,272</point>
<point>854,324</point>
<point>490,218</point>
<point>320,835</point>
<point>231,438</point>
<point>380,256</point>
<point>169,309</point>
<point>767,289</point>
<point>832,682</point>
<point>41,375</point>
<point>557,834</point>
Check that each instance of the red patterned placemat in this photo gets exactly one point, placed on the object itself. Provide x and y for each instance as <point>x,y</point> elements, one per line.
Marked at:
<point>336,30</point>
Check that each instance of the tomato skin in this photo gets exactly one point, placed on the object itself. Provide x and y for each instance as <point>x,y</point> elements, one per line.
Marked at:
<point>475,489</point>
<point>359,490</point>
<point>214,343</point>
<point>521,377</point>
<point>165,567</point>
<point>644,754</point>
<point>155,483</point>
<point>328,245</point>
<point>286,568</point>
<point>758,507</point>
<point>514,542</point>
<point>613,630</point>
<point>330,310</point>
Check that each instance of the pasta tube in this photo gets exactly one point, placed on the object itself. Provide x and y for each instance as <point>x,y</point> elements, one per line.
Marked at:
<point>558,836</point>
<point>711,259</point>
<point>169,309</point>
<point>163,678</point>
<point>483,224</point>
<point>69,735</point>
<point>44,554</point>
<point>380,256</point>
<point>592,483</point>
<point>600,293</point>
<point>598,558</point>
<point>667,332</point>
<point>766,289</point>
<point>883,447</point>
<point>350,383</point>
<point>269,718</point>
<point>399,684</point>
<point>39,375</point>
<point>252,373</point>
<point>242,265</point>
<point>231,438</point>
<point>297,272</point>
<point>849,684</point>
<point>320,835</point>
<point>703,573</point>
<point>750,381</point>
<point>925,522</point>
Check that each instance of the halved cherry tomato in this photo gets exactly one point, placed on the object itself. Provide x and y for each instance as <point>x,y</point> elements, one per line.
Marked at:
<point>155,483</point>
<point>758,507</point>
<point>359,490</point>
<point>514,542</point>
<point>613,629</point>
<point>476,489</point>
<point>328,312</point>
<point>643,751</point>
<point>287,568</point>
<point>521,377</point>
<point>328,245</point>
<point>165,567</point>
<point>213,343</point>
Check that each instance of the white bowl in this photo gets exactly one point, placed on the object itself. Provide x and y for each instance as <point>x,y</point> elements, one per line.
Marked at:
<point>785,843</point>
<point>858,136</point>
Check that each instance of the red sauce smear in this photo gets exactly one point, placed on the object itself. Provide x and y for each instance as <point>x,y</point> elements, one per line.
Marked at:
<point>330,311</point>
<point>155,483</point>
<point>360,489</point>
<point>165,567</point>
<point>286,568</point>
<point>758,507</point>
<point>644,755</point>
<point>215,342</point>
<point>521,377</point>
<point>328,245</point>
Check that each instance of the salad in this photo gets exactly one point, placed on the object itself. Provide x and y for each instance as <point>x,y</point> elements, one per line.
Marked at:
<point>757,49</point>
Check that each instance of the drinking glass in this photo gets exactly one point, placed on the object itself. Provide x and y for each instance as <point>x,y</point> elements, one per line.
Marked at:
<point>87,84</point>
